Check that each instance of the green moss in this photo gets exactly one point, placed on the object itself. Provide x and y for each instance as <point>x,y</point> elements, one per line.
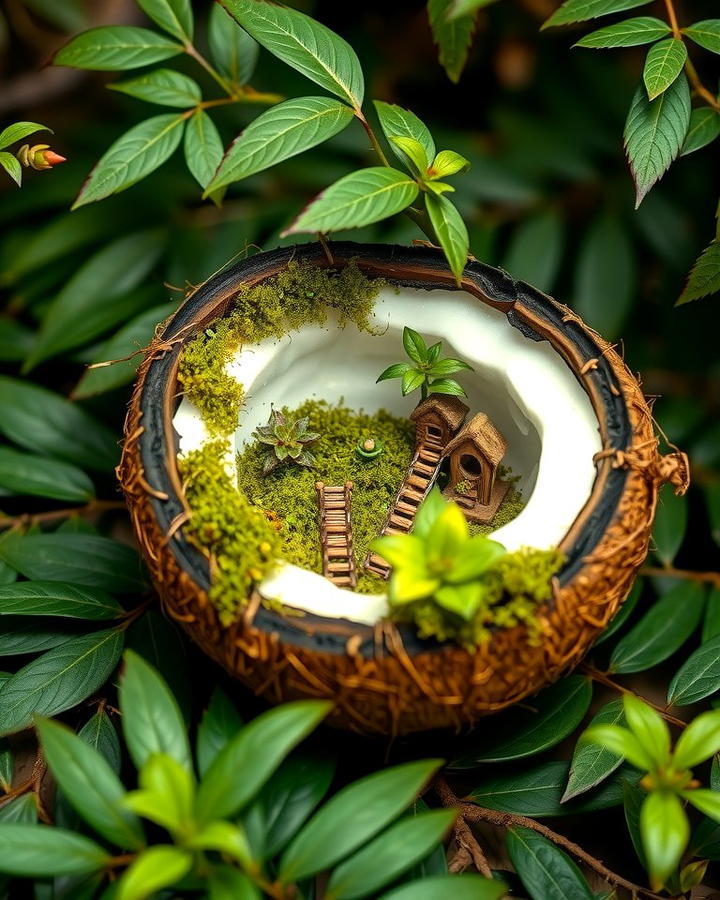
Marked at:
<point>513,590</point>
<point>238,538</point>
<point>511,507</point>
<point>290,492</point>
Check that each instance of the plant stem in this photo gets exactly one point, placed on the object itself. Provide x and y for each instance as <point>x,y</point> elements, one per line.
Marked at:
<point>604,678</point>
<point>712,578</point>
<point>192,51</point>
<point>692,74</point>
<point>25,520</point>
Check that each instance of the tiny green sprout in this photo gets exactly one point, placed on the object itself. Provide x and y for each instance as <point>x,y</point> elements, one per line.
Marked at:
<point>287,441</point>
<point>426,371</point>
<point>369,448</point>
<point>439,560</point>
<point>668,779</point>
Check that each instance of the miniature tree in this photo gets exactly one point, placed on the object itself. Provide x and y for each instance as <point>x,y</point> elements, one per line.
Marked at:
<point>287,441</point>
<point>427,370</point>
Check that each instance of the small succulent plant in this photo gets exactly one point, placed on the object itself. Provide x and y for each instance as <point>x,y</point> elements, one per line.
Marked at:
<point>287,441</point>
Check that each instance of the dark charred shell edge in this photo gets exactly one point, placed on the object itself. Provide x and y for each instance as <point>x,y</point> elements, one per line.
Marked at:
<point>422,268</point>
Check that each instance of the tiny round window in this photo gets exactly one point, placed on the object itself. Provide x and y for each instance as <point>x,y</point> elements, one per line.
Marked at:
<point>471,465</point>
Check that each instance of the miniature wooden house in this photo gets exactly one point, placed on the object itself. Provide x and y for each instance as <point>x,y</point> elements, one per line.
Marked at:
<point>474,455</point>
<point>438,418</point>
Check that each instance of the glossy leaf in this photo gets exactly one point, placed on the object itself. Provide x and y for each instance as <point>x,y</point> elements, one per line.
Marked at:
<point>23,474</point>
<point>655,132</point>
<point>698,677</point>
<point>280,133</point>
<point>699,741</point>
<point>545,871</point>
<point>665,833</point>
<point>353,816</point>
<point>24,634</point>
<point>229,883</point>
<point>203,147</point>
<point>59,679</point>
<point>364,196</point>
<point>398,122</point>
<point>554,714</point>
<point>157,640</point>
<point>706,34</point>
<point>670,525</point>
<point>116,47</point>
<point>173,16</point>
<point>661,631</point>
<point>165,87</point>
<point>583,10</point>
<point>18,131</point>
<point>22,810</point>
<point>711,622</point>
<point>466,7</point>
<point>304,44</point>
<point>452,36</point>
<point>10,164</point>
<point>99,732</point>
<point>591,763</point>
<point>233,51</point>
<point>158,867</point>
<point>633,799</point>
<point>40,850</point>
<point>152,722</point>
<point>220,723</point>
<point>451,232</point>
<point>705,276</point>
<point>704,129</point>
<point>459,887</point>
<point>56,598</point>
<point>630,33</point>
<point>665,61</point>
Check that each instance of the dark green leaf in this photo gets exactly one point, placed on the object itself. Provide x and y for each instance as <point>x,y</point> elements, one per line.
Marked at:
<point>705,276</point>
<point>706,34</point>
<point>591,763</point>
<point>553,715</point>
<point>152,722</point>
<point>165,87</point>
<point>154,637</point>
<point>24,474</point>
<point>21,634</point>
<point>99,732</point>
<point>39,850</point>
<point>398,122</point>
<point>59,679</point>
<point>545,871</point>
<point>45,422</point>
<point>56,598</point>
<point>83,559</point>
<point>711,623</point>
<point>450,231</point>
<point>535,250</point>
<point>228,883</point>
<point>583,10</point>
<point>630,33</point>
<point>665,61</point>
<point>173,16</point>
<point>466,7</point>
<point>280,133</point>
<point>132,157</point>
<point>203,147</point>
<point>353,816</point>
<point>452,36</point>
<point>219,724</point>
<point>22,809</point>
<point>232,49</point>
<point>655,132</point>
<point>89,784</point>
<point>661,631</point>
<point>624,614</point>
<point>670,525</point>
<point>116,47</point>
<point>458,887</point>
<point>364,196</point>
<point>704,129</point>
<point>698,677</point>
<point>304,44</point>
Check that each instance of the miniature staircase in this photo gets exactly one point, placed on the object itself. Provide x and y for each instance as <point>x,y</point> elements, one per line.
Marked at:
<point>419,480</point>
<point>336,533</point>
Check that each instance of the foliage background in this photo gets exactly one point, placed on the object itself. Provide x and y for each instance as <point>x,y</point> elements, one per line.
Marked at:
<point>548,197</point>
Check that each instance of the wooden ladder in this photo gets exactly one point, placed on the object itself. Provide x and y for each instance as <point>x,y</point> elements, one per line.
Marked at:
<point>336,533</point>
<point>420,478</point>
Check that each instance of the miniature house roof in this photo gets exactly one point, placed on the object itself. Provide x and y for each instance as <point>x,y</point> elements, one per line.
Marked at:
<point>481,432</point>
<point>451,409</point>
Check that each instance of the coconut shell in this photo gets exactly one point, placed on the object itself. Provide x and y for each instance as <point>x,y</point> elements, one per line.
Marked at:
<point>385,680</point>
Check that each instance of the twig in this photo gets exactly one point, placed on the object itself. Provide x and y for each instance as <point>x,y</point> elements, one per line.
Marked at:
<point>471,812</point>
<point>692,74</point>
<point>469,850</point>
<point>604,678</point>
<point>687,574</point>
<point>25,520</point>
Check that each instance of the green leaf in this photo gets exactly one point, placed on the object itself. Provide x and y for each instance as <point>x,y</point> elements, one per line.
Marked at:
<point>670,525</point>
<point>451,232</point>
<point>173,16</point>
<point>705,276</point>
<point>630,33</point>
<point>661,631</point>
<point>219,724</point>
<point>203,147</point>
<point>56,598</point>
<point>47,423</point>
<point>389,855</point>
<point>22,810</point>
<point>411,381</point>
<point>591,763</point>
<point>226,838</point>
<point>704,129</point>
<point>649,728</point>
<point>536,249</point>
<point>665,834</point>
<point>452,36</point>
<point>113,48</point>
<point>364,196</point>
<point>157,640</point>
<point>152,722</point>
<point>545,871</point>
<point>165,87</point>
<point>72,318</point>
<point>166,795</point>
<point>398,122</point>
<point>414,345</point>
<point>23,634</point>
<point>449,366</point>
<point>554,714</point>
<point>466,7</point>
<point>280,133</point>
<point>18,132</point>
<point>233,51</point>
<point>707,801</point>
<point>537,793</point>
<point>304,44</point>
<point>447,386</point>
<point>12,167</point>
<point>89,784</point>
<point>583,10</point>
<point>129,341</point>
<point>665,61</point>
<point>258,750</point>
<point>229,883</point>
<point>83,559</point>
<point>414,151</point>
<point>633,799</point>
<point>132,157</point>
<point>158,867</point>
<point>448,163</point>
<point>353,816</point>
<point>655,132</point>
<point>624,614</point>
<point>623,742</point>
<point>459,887</point>
<point>698,677</point>
<point>699,741</point>
<point>99,732</point>
<point>711,622</point>
<point>396,370</point>
<point>36,851</point>
<point>706,34</point>
<point>59,679</point>
<point>27,474</point>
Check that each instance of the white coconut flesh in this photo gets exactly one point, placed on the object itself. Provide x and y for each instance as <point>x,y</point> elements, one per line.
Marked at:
<point>524,386</point>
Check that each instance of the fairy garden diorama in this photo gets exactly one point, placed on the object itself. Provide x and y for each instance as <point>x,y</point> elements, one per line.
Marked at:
<point>324,477</point>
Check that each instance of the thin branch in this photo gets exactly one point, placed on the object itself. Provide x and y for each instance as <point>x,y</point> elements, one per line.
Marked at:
<point>712,578</point>
<point>604,678</point>
<point>469,850</point>
<point>692,74</point>
<point>200,59</point>
<point>25,520</point>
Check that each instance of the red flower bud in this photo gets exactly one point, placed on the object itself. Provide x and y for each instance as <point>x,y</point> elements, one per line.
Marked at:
<point>39,157</point>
